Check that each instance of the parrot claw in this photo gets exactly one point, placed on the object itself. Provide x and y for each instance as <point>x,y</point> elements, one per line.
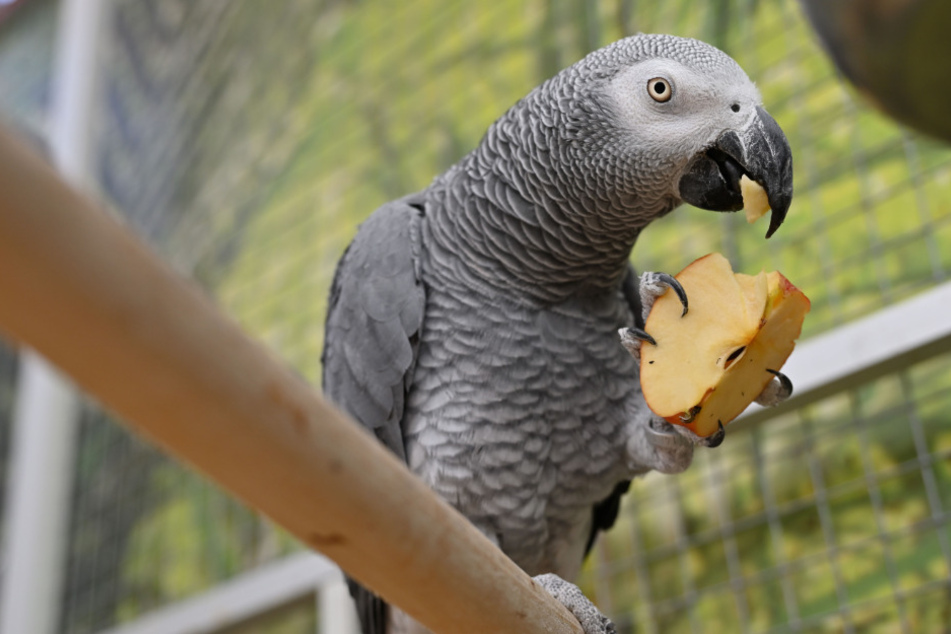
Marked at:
<point>633,338</point>
<point>776,391</point>
<point>783,380</point>
<point>569,595</point>
<point>716,439</point>
<point>653,285</point>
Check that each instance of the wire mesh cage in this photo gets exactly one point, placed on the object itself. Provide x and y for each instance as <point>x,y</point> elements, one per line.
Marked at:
<point>247,143</point>
<point>830,519</point>
<point>26,53</point>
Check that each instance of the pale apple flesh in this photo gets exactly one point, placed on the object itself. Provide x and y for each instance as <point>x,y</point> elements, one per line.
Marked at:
<point>710,364</point>
<point>755,200</point>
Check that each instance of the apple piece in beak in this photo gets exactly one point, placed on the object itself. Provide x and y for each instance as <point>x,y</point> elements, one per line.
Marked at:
<point>755,200</point>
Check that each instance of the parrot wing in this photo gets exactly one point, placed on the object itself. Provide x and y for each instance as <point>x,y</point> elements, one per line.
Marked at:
<point>374,317</point>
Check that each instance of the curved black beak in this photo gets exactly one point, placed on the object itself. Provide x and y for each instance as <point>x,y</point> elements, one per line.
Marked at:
<point>761,152</point>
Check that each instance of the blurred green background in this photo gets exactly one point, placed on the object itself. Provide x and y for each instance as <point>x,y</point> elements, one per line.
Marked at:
<point>247,140</point>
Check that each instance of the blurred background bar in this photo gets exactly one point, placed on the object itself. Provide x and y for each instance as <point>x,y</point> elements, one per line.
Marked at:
<point>46,418</point>
<point>246,141</point>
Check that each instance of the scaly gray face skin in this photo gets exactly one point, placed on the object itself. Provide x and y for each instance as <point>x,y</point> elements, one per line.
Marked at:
<point>472,325</point>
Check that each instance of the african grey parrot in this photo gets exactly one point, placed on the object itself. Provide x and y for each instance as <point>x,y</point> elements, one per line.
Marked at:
<point>472,326</point>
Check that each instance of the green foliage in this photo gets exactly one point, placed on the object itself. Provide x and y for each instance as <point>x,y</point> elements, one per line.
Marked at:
<point>195,538</point>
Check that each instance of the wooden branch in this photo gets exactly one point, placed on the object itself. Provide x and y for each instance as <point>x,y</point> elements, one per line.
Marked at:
<point>83,291</point>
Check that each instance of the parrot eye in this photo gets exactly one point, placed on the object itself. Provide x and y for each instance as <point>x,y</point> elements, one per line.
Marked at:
<point>659,89</point>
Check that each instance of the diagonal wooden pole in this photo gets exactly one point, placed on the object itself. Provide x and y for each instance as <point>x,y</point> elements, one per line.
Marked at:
<point>84,292</point>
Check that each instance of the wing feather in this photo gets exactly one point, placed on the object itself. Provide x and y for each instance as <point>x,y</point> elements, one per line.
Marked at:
<point>374,318</point>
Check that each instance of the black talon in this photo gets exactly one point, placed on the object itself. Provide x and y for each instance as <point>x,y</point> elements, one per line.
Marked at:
<point>643,336</point>
<point>784,380</point>
<point>672,282</point>
<point>716,439</point>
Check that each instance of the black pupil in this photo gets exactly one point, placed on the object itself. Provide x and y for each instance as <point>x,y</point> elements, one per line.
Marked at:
<point>660,88</point>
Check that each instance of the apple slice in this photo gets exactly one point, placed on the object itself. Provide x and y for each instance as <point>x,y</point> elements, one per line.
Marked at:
<point>755,200</point>
<point>710,364</point>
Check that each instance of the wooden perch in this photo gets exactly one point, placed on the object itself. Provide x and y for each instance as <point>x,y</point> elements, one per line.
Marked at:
<point>87,294</point>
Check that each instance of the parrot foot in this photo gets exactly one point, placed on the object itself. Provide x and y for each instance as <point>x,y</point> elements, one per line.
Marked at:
<point>776,391</point>
<point>569,595</point>
<point>711,441</point>
<point>653,285</point>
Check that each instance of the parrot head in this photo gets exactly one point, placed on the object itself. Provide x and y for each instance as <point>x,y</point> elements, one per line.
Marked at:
<point>660,120</point>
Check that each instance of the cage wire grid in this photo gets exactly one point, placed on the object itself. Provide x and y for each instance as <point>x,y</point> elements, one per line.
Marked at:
<point>855,491</point>
<point>247,144</point>
<point>24,95</point>
<point>178,77</point>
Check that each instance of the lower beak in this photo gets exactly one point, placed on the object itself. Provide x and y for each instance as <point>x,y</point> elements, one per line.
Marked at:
<point>761,152</point>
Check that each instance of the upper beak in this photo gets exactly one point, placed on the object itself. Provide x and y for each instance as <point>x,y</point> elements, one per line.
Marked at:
<point>761,151</point>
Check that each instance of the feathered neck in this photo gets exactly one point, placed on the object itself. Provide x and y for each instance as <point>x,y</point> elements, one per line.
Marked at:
<point>536,208</point>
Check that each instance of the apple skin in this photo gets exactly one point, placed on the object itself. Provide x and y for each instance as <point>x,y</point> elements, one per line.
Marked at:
<point>761,333</point>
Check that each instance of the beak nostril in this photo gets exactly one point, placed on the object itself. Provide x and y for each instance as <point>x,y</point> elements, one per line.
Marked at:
<point>735,107</point>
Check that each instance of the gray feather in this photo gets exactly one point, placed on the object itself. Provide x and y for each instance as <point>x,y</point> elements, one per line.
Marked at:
<point>374,319</point>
